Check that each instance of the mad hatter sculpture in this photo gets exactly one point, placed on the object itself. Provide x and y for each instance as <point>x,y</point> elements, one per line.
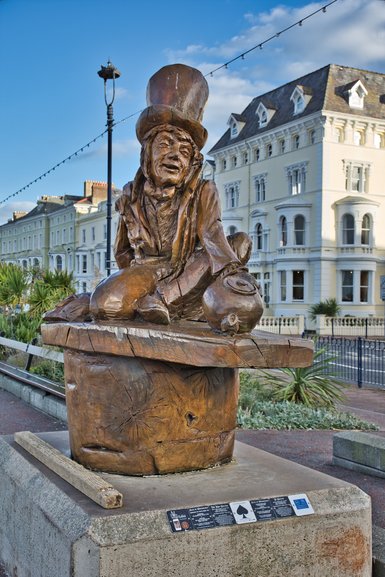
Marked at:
<point>174,258</point>
<point>145,399</point>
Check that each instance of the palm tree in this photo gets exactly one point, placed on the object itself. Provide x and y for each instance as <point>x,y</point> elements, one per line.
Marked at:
<point>48,291</point>
<point>13,285</point>
<point>313,386</point>
<point>328,307</point>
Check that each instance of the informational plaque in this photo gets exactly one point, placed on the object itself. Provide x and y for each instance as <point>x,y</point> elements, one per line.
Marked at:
<point>301,505</point>
<point>239,512</point>
<point>197,518</point>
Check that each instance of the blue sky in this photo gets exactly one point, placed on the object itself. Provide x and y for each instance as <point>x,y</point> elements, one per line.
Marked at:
<point>51,98</point>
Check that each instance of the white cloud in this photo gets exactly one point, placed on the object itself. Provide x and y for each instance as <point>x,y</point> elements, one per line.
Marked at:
<point>229,92</point>
<point>350,33</point>
<point>120,148</point>
<point>120,93</point>
<point>6,210</point>
<point>126,146</point>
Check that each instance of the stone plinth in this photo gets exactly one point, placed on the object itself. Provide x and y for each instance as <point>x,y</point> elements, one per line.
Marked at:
<point>48,529</point>
<point>363,452</point>
<point>145,399</point>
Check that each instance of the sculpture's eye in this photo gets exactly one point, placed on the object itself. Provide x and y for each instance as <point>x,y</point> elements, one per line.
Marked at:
<point>185,151</point>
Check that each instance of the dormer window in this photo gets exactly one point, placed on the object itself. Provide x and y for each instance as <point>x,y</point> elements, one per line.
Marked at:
<point>236,123</point>
<point>264,115</point>
<point>262,118</point>
<point>357,95</point>
<point>300,98</point>
<point>299,104</point>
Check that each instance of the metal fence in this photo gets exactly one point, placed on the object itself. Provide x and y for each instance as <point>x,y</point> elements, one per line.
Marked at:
<point>356,360</point>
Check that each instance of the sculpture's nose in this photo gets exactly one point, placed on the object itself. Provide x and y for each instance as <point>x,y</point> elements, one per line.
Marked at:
<point>173,153</point>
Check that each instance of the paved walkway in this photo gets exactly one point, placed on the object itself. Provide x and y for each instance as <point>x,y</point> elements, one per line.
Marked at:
<point>315,448</point>
<point>310,448</point>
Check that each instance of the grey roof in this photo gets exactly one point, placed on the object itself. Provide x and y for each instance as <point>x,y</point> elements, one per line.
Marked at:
<point>238,117</point>
<point>329,89</point>
<point>40,209</point>
<point>45,207</point>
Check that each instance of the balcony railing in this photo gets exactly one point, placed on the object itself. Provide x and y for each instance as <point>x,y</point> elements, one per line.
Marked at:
<point>282,325</point>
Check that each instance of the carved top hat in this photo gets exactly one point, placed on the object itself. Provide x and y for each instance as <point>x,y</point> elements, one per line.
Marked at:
<point>176,95</point>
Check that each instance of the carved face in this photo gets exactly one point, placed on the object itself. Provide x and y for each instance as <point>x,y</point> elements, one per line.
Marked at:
<point>171,158</point>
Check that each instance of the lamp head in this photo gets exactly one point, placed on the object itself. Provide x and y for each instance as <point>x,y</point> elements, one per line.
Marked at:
<point>108,72</point>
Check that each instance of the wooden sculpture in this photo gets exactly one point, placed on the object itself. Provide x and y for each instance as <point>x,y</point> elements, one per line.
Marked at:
<point>149,388</point>
<point>170,243</point>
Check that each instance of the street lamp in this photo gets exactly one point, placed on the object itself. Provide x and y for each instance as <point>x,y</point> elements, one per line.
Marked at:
<point>109,72</point>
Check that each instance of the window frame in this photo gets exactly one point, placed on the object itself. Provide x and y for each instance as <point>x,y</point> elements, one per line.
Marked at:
<point>348,229</point>
<point>84,264</point>
<point>283,231</point>
<point>298,232</point>
<point>259,236</point>
<point>356,176</point>
<point>364,288</point>
<point>366,229</point>
<point>298,284</point>
<point>347,286</point>
<point>283,286</point>
<point>260,187</point>
<point>232,194</point>
<point>233,129</point>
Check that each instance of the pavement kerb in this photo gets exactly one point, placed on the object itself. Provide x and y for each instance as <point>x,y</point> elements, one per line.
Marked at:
<point>378,552</point>
<point>38,399</point>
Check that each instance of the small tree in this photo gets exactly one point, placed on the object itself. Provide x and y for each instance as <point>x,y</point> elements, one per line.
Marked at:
<point>26,295</point>
<point>48,291</point>
<point>13,285</point>
<point>328,307</point>
<point>312,386</point>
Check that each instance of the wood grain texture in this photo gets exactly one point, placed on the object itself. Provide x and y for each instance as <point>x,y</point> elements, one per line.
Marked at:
<point>190,343</point>
<point>146,399</point>
<point>142,417</point>
<point>85,481</point>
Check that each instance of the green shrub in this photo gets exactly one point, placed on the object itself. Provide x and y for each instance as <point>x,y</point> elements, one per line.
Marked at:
<point>289,416</point>
<point>312,386</point>
<point>19,327</point>
<point>252,389</point>
<point>51,370</point>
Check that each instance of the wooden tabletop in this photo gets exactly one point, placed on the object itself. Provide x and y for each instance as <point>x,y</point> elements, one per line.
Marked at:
<point>189,343</point>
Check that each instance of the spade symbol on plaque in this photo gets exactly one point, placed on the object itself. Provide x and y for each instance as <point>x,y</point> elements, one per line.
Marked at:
<point>242,511</point>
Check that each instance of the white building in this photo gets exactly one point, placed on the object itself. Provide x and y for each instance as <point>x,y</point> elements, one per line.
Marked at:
<point>301,170</point>
<point>63,233</point>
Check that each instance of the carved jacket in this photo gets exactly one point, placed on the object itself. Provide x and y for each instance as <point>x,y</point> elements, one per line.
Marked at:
<point>195,221</point>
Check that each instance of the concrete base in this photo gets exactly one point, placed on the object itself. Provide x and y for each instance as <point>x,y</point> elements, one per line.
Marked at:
<point>48,529</point>
<point>362,452</point>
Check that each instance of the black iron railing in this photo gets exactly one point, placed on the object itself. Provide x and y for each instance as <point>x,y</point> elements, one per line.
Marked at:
<point>355,360</point>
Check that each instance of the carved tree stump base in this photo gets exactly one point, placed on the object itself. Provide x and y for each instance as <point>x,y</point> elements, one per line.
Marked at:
<point>145,399</point>
<point>144,417</point>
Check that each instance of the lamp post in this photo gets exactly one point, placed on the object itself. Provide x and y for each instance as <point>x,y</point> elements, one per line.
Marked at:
<point>109,72</point>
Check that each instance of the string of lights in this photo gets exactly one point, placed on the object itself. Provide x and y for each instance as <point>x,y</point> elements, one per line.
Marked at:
<point>70,157</point>
<point>273,37</point>
<point>241,56</point>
